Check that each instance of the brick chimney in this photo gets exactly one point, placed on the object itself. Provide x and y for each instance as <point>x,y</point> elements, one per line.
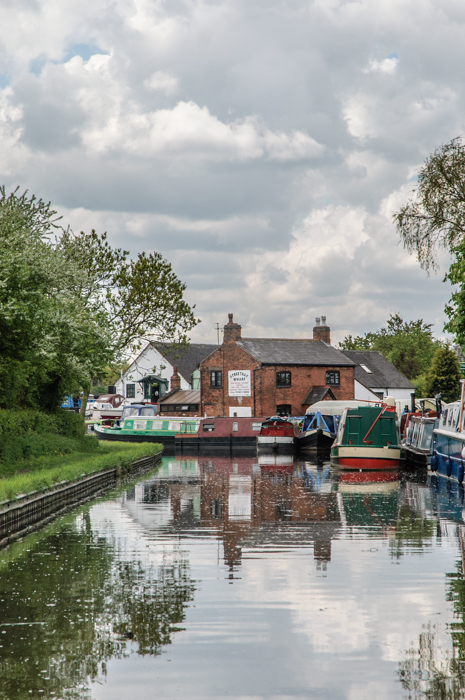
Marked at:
<point>321,331</point>
<point>232,331</point>
<point>175,382</point>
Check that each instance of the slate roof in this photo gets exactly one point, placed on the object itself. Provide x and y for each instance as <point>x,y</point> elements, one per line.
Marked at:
<point>384,374</point>
<point>185,360</point>
<point>282,351</point>
<point>318,393</point>
<point>181,396</point>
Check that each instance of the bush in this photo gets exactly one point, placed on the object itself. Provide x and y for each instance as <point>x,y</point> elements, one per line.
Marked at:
<point>30,433</point>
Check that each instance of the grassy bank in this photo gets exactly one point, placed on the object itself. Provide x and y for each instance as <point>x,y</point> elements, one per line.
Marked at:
<point>37,473</point>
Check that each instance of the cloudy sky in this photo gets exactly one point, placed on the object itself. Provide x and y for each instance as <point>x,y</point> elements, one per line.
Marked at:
<point>261,146</point>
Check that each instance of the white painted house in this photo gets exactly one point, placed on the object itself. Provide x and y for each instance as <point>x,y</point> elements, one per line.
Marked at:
<point>159,360</point>
<point>376,377</point>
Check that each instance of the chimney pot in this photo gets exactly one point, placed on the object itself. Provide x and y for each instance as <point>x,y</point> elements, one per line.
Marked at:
<point>323,320</point>
<point>317,321</point>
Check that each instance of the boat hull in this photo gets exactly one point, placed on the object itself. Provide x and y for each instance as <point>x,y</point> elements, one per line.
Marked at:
<point>449,455</point>
<point>358,457</point>
<point>120,436</point>
<point>317,439</point>
<point>275,443</point>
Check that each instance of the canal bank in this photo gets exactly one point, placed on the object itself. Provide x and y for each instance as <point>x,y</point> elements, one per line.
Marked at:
<point>30,511</point>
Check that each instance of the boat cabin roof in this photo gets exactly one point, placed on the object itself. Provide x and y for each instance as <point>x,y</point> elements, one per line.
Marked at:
<point>335,408</point>
<point>141,409</point>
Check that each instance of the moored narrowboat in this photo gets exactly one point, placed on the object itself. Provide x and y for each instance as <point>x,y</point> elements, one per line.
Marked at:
<point>448,458</point>
<point>319,427</point>
<point>276,433</point>
<point>367,438</point>
<point>418,441</point>
<point>139,423</point>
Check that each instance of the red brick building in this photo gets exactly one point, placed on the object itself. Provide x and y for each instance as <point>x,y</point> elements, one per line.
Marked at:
<point>265,376</point>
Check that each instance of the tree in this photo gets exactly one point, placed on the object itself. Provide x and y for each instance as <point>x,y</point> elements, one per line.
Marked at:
<point>71,305</point>
<point>435,215</point>
<point>49,339</point>
<point>443,377</point>
<point>409,345</point>
<point>455,309</point>
<point>140,299</point>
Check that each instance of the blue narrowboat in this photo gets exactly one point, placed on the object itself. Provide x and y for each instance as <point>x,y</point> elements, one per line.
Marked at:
<point>448,457</point>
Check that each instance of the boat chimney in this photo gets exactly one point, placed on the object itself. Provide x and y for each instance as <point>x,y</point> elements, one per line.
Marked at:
<point>322,332</point>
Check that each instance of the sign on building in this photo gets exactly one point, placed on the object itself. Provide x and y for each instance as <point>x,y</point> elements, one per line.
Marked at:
<point>239,382</point>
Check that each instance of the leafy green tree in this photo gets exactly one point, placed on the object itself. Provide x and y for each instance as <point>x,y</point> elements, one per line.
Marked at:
<point>141,299</point>
<point>443,377</point>
<point>455,309</point>
<point>71,306</point>
<point>435,214</point>
<point>49,339</point>
<point>409,345</point>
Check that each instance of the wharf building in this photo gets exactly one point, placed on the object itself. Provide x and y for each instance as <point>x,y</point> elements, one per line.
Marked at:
<point>267,376</point>
<point>258,376</point>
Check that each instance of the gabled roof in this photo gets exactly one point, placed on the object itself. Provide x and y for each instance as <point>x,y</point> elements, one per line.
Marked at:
<point>283,351</point>
<point>186,360</point>
<point>318,393</point>
<point>383,374</point>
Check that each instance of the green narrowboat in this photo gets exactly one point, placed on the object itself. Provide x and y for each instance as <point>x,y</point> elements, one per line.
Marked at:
<point>141,424</point>
<point>367,438</point>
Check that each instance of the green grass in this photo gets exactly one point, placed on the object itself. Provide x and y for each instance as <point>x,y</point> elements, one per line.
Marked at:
<point>37,473</point>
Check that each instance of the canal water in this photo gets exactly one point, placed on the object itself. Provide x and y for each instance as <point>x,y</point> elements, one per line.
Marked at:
<point>242,578</point>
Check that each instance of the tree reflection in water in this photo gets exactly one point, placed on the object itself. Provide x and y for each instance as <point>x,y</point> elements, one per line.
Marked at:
<point>431,670</point>
<point>72,602</point>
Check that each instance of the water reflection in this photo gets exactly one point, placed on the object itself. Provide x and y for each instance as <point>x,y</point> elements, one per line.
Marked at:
<point>307,579</point>
<point>70,601</point>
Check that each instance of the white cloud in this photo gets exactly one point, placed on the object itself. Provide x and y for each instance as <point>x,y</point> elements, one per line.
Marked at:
<point>386,65</point>
<point>267,142</point>
<point>162,81</point>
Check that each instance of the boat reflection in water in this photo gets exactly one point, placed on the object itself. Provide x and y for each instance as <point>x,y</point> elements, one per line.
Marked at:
<point>305,578</point>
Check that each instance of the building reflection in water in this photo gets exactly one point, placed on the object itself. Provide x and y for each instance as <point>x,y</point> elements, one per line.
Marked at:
<point>245,500</point>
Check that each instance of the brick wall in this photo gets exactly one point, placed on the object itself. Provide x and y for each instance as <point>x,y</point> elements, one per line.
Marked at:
<point>303,378</point>
<point>216,400</point>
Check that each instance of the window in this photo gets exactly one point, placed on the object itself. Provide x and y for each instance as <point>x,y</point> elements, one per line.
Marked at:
<point>235,427</point>
<point>216,378</point>
<point>130,391</point>
<point>208,427</point>
<point>283,379</point>
<point>367,369</point>
<point>284,409</point>
<point>255,426</point>
<point>149,411</point>
<point>332,377</point>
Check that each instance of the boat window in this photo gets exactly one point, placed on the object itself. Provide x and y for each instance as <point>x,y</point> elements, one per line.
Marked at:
<point>255,426</point>
<point>208,427</point>
<point>235,427</point>
<point>140,425</point>
<point>157,425</point>
<point>175,425</point>
<point>148,411</point>
<point>129,411</point>
<point>427,435</point>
